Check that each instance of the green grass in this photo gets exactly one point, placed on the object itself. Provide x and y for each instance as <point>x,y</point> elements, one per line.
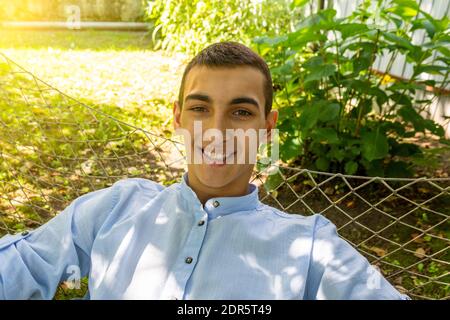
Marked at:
<point>75,40</point>
<point>56,148</point>
<point>102,68</point>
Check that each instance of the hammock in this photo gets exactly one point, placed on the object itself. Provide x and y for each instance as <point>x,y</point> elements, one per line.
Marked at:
<point>54,148</point>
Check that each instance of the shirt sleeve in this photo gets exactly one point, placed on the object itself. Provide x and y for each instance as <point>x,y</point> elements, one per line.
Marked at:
<point>339,272</point>
<point>33,264</point>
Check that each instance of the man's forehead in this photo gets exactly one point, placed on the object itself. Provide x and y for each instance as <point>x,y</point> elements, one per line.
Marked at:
<point>241,80</point>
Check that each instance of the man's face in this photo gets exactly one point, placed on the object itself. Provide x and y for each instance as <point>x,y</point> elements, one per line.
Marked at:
<point>224,99</point>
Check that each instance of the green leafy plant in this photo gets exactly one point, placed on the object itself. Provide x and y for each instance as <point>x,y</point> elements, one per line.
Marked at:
<point>339,114</point>
<point>189,26</point>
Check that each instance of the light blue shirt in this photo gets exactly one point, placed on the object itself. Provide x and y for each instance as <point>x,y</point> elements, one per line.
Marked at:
<point>140,240</point>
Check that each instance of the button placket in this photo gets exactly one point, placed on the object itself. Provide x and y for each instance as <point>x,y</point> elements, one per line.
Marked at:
<point>182,271</point>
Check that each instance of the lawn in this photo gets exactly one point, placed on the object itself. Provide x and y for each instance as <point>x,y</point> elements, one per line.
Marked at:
<point>112,69</point>
<point>55,148</point>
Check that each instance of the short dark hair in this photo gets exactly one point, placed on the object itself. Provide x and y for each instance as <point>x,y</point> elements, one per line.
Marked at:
<point>231,54</point>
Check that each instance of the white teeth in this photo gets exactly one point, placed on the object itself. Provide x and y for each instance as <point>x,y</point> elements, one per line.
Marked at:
<point>216,156</point>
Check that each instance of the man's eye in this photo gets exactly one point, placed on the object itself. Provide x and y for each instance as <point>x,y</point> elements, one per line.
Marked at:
<point>242,113</point>
<point>198,109</point>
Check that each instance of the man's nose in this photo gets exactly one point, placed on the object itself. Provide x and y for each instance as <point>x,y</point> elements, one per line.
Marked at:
<point>218,121</point>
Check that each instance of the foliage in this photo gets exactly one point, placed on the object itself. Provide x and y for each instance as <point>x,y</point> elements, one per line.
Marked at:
<point>337,113</point>
<point>189,26</point>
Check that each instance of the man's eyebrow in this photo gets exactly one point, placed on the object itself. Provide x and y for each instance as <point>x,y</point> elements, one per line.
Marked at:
<point>197,96</point>
<point>245,100</point>
<point>206,98</point>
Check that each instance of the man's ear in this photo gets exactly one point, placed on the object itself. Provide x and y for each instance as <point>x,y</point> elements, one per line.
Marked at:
<point>176,115</point>
<point>271,122</point>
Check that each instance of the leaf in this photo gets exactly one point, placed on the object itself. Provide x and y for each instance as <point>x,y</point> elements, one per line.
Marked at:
<point>420,267</point>
<point>364,107</point>
<point>398,169</point>
<point>405,149</point>
<point>374,168</point>
<point>379,251</point>
<point>322,164</point>
<point>407,3</point>
<point>270,41</point>
<point>321,20</point>
<point>431,69</point>
<point>374,145</point>
<point>438,24</point>
<point>350,204</point>
<point>401,99</point>
<point>361,63</point>
<point>351,167</point>
<point>351,29</point>
<point>298,3</point>
<point>329,111</point>
<point>420,253</point>
<point>357,85</point>
<point>363,46</point>
<point>313,62</point>
<point>326,135</point>
<point>434,127</point>
<point>417,237</point>
<point>380,94</point>
<point>309,117</point>
<point>290,148</point>
<point>405,9</point>
<point>285,69</point>
<point>273,181</point>
<point>301,38</point>
<point>320,72</point>
<point>401,42</point>
<point>424,24</point>
<point>409,114</point>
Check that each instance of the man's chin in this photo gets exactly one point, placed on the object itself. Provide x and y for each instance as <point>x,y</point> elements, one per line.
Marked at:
<point>215,178</point>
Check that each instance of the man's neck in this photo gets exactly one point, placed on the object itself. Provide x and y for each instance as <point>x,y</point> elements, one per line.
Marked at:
<point>235,189</point>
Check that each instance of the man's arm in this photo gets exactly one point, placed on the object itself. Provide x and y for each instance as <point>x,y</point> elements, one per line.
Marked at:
<point>339,272</point>
<point>33,264</point>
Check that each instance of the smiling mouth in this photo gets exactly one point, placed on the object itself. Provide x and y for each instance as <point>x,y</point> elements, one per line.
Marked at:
<point>216,159</point>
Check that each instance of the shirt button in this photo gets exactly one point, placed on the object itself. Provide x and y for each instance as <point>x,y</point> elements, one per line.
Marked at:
<point>201,222</point>
<point>188,260</point>
<point>216,204</point>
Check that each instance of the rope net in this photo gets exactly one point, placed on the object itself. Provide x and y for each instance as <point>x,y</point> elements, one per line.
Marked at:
<point>54,148</point>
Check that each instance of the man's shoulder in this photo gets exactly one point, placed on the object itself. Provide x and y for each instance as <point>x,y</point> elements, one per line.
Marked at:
<point>138,183</point>
<point>315,220</point>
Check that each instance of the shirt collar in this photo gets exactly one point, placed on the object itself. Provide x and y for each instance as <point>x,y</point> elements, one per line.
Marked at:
<point>220,206</point>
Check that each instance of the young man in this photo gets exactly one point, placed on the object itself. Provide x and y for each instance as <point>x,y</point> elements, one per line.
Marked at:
<point>207,237</point>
